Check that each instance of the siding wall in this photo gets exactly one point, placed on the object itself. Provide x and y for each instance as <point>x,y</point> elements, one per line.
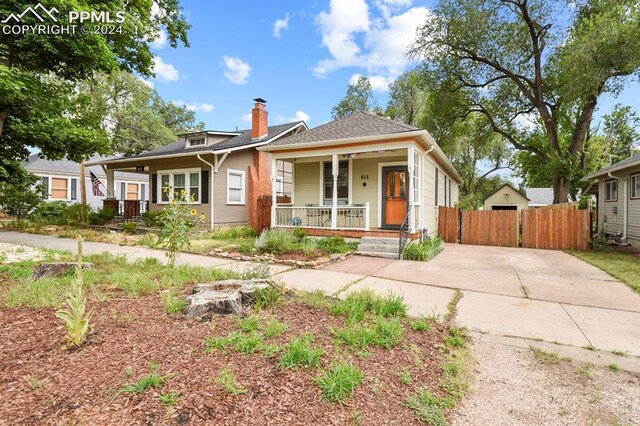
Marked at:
<point>429,208</point>
<point>223,213</point>
<point>606,209</point>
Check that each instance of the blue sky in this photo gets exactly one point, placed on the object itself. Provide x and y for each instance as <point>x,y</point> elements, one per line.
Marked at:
<point>237,53</point>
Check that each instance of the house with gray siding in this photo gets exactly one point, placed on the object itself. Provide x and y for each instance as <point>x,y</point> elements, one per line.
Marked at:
<point>617,189</point>
<point>61,179</point>
<point>221,171</point>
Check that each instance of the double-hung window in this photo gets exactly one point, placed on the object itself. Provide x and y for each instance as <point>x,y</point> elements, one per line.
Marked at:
<point>196,142</point>
<point>181,183</point>
<point>611,190</point>
<point>343,183</point>
<point>235,187</point>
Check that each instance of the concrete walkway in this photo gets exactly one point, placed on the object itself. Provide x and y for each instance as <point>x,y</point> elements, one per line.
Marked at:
<point>523,293</point>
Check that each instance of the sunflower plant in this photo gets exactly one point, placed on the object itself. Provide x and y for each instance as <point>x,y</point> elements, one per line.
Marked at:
<point>179,221</point>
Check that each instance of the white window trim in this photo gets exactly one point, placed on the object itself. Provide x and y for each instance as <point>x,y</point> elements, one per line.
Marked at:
<point>187,182</point>
<point>634,177</point>
<point>606,185</point>
<point>242,201</point>
<point>189,145</point>
<point>68,178</point>
<point>132,182</point>
<point>349,182</point>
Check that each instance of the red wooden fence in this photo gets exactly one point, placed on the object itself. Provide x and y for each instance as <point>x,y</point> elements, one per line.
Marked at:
<point>556,229</point>
<point>448,224</point>
<point>264,210</point>
<point>490,228</point>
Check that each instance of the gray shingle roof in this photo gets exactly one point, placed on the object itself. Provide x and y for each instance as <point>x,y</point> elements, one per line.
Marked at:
<point>634,160</point>
<point>539,196</point>
<point>243,139</point>
<point>37,165</point>
<point>358,124</point>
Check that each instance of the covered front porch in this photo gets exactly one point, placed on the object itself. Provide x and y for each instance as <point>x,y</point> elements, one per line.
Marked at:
<point>365,190</point>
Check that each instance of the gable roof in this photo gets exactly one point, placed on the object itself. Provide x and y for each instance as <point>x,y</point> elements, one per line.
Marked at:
<point>539,196</point>
<point>632,161</point>
<point>242,139</point>
<point>503,186</point>
<point>38,165</point>
<point>358,124</point>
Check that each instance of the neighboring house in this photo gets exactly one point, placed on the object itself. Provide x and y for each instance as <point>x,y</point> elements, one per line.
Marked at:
<point>222,171</point>
<point>617,189</point>
<point>539,197</point>
<point>506,198</point>
<point>364,174</point>
<point>61,179</point>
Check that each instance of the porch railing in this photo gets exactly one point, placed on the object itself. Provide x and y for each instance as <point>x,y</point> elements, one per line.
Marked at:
<point>127,210</point>
<point>315,216</point>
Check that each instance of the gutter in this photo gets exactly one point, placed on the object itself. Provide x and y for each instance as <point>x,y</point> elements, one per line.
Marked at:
<point>212,186</point>
<point>625,206</point>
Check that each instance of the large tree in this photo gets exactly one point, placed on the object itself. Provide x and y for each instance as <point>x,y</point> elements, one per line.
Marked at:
<point>359,97</point>
<point>134,115</point>
<point>39,74</point>
<point>534,66</point>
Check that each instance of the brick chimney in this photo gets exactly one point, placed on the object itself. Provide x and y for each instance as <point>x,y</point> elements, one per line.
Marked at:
<point>259,120</point>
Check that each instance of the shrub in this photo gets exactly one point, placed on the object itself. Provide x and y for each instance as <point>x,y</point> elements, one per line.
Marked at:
<point>299,352</point>
<point>339,382</point>
<point>21,197</point>
<point>422,250</point>
<point>51,213</point>
<point>299,234</point>
<point>245,248</point>
<point>276,241</point>
<point>76,318</point>
<point>233,232</point>
<point>76,213</point>
<point>599,241</point>
<point>336,245</point>
<point>130,228</point>
<point>151,219</point>
<point>101,216</point>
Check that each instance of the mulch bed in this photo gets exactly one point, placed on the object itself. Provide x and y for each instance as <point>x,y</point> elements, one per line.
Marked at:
<point>80,387</point>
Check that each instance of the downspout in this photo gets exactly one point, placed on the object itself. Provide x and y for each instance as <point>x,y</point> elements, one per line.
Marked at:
<point>211,189</point>
<point>625,206</point>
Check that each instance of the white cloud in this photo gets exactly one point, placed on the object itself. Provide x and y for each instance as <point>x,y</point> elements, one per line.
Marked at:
<point>379,83</point>
<point>378,45</point>
<point>301,116</point>
<point>165,71</point>
<point>280,25</point>
<point>160,41</point>
<point>298,116</point>
<point>246,117</point>
<point>237,71</point>
<point>204,107</point>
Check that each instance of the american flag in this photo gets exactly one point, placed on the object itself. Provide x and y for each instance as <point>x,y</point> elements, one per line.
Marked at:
<point>95,183</point>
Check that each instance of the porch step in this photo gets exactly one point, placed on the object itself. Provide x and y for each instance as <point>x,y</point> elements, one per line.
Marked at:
<point>378,247</point>
<point>377,254</point>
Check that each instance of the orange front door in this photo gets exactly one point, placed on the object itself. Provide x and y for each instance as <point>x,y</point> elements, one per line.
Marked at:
<point>394,196</point>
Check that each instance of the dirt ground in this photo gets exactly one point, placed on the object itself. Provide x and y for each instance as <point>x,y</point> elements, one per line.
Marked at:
<point>513,387</point>
<point>40,383</point>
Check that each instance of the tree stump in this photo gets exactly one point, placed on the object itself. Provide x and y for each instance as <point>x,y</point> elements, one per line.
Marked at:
<point>55,269</point>
<point>223,297</point>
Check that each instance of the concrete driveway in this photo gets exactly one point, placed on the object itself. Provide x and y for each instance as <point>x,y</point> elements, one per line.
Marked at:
<point>526,293</point>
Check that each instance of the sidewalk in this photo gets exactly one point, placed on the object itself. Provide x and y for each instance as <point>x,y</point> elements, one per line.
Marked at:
<point>496,314</point>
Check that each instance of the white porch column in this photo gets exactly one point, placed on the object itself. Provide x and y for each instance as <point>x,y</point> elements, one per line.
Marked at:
<point>334,205</point>
<point>274,195</point>
<point>111,183</point>
<point>366,216</point>
<point>410,169</point>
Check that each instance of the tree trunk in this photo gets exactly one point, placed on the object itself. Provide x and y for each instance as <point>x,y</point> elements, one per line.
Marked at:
<point>561,189</point>
<point>3,117</point>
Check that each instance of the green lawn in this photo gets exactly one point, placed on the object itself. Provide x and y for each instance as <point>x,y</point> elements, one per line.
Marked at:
<point>623,266</point>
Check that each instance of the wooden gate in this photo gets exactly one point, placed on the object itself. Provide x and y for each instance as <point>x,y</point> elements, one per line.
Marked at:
<point>448,224</point>
<point>264,210</point>
<point>556,229</point>
<point>490,228</point>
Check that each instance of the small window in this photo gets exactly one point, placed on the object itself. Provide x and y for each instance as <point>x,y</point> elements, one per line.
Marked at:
<point>132,191</point>
<point>164,187</point>
<point>235,187</point>
<point>59,188</point>
<point>194,186</point>
<point>635,186</point>
<point>611,190</point>
<point>343,183</point>
<point>196,142</point>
